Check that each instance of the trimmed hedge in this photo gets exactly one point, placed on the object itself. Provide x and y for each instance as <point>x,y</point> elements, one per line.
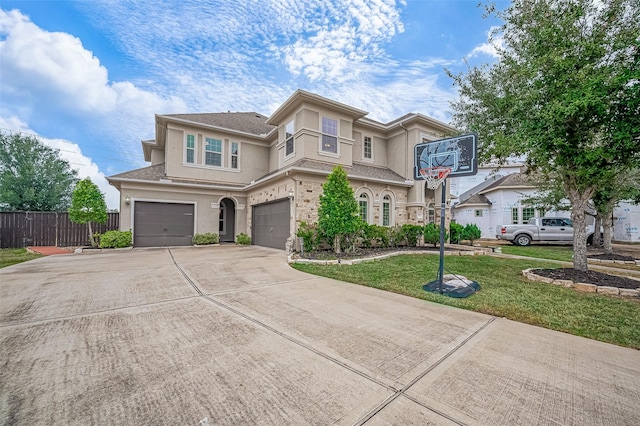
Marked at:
<point>206,238</point>
<point>116,239</point>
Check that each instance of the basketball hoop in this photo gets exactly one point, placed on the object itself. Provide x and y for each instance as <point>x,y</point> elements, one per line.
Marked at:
<point>434,176</point>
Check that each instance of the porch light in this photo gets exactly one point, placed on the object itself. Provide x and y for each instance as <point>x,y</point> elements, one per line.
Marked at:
<point>127,199</point>
<point>291,194</point>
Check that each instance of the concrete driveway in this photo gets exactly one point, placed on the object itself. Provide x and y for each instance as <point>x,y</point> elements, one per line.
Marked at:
<point>232,335</point>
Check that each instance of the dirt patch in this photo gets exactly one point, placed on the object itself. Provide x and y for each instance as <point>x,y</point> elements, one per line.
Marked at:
<point>591,277</point>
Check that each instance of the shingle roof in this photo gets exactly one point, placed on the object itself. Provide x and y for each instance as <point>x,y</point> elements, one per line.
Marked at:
<point>510,180</point>
<point>152,173</point>
<point>247,122</point>
<point>156,173</point>
<point>357,170</point>
<point>475,199</point>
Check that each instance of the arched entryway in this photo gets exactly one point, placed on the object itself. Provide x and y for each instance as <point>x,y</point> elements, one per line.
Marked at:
<point>227,220</point>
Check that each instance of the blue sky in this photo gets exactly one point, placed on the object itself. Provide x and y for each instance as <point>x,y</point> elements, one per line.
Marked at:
<point>88,76</point>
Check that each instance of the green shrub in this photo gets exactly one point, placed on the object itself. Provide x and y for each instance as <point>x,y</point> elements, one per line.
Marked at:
<point>470,232</point>
<point>206,238</point>
<point>455,230</point>
<point>116,239</point>
<point>412,234</point>
<point>396,236</point>
<point>432,234</point>
<point>310,236</point>
<point>243,239</point>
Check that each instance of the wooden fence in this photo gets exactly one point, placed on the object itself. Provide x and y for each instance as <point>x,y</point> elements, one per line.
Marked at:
<point>22,229</point>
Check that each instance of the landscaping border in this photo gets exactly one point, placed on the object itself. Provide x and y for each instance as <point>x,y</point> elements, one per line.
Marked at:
<point>463,252</point>
<point>584,287</point>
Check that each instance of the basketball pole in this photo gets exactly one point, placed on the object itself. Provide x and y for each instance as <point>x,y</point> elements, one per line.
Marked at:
<point>443,203</point>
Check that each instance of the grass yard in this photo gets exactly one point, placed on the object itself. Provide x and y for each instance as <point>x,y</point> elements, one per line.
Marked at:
<point>504,293</point>
<point>563,253</point>
<point>10,257</point>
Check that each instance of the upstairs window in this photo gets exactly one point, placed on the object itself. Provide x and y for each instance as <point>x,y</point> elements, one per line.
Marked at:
<point>367,148</point>
<point>213,152</point>
<point>329,135</point>
<point>363,202</point>
<point>191,148</point>
<point>288,138</point>
<point>234,155</point>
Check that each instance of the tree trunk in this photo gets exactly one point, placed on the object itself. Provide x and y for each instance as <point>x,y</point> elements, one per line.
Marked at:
<point>607,229</point>
<point>597,239</point>
<point>91,239</point>
<point>578,205</point>
<point>336,244</point>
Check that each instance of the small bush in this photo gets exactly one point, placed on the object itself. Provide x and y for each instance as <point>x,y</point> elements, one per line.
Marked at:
<point>470,232</point>
<point>206,238</point>
<point>412,234</point>
<point>243,239</point>
<point>432,234</point>
<point>310,236</point>
<point>455,230</point>
<point>116,239</point>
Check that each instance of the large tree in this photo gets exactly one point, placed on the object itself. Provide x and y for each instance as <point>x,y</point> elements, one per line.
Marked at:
<point>33,176</point>
<point>338,210</point>
<point>563,92</point>
<point>87,206</point>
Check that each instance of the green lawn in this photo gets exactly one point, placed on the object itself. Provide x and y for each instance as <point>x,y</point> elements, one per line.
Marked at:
<point>564,253</point>
<point>10,257</point>
<point>504,293</point>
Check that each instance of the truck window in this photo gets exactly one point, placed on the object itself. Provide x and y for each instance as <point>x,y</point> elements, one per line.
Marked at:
<point>547,222</point>
<point>567,222</point>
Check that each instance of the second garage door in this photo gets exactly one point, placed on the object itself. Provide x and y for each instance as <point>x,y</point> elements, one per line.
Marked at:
<point>270,224</point>
<point>162,224</point>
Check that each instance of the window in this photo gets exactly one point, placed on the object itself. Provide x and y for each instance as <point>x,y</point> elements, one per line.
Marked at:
<point>288,138</point>
<point>234,155</point>
<point>386,210</point>
<point>528,213</point>
<point>367,148</point>
<point>191,148</point>
<point>363,202</point>
<point>514,216</point>
<point>478,213</point>
<point>431,212</point>
<point>213,152</point>
<point>329,135</point>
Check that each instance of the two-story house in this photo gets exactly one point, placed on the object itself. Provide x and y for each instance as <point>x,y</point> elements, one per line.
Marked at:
<point>244,172</point>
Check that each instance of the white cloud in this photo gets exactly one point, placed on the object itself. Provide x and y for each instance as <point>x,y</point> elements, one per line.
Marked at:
<point>73,154</point>
<point>52,74</point>
<point>491,47</point>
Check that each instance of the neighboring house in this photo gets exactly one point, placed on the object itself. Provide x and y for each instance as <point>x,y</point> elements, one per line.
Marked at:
<point>626,222</point>
<point>498,201</point>
<point>245,172</point>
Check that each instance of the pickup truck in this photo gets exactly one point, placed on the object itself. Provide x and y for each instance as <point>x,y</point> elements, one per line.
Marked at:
<point>541,229</point>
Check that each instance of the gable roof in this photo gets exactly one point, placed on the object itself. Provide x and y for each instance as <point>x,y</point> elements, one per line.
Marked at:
<point>474,200</point>
<point>247,122</point>
<point>513,180</point>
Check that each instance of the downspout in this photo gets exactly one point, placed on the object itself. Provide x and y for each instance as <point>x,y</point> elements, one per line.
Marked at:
<point>294,200</point>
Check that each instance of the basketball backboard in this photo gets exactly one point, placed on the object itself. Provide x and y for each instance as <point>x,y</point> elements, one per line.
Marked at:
<point>458,153</point>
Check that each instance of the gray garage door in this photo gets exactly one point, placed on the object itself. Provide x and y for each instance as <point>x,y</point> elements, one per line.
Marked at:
<point>270,224</point>
<point>162,224</point>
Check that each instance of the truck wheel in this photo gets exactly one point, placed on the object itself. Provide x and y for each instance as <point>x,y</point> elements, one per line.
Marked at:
<point>522,240</point>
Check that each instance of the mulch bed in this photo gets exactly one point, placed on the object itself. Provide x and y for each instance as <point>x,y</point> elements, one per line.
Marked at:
<point>612,256</point>
<point>591,277</point>
<point>363,252</point>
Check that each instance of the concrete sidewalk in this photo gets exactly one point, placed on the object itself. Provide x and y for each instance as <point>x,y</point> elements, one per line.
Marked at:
<point>234,335</point>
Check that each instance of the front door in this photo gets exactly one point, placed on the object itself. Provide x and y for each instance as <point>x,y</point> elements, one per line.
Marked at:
<point>227,220</point>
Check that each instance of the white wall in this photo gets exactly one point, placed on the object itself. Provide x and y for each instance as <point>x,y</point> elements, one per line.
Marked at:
<point>460,185</point>
<point>626,222</point>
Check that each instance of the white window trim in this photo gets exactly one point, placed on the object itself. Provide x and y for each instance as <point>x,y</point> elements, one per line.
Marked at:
<point>222,153</point>
<point>337,136</point>
<point>293,137</point>
<point>392,208</point>
<point>231,155</point>
<point>195,149</point>
<point>364,158</point>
